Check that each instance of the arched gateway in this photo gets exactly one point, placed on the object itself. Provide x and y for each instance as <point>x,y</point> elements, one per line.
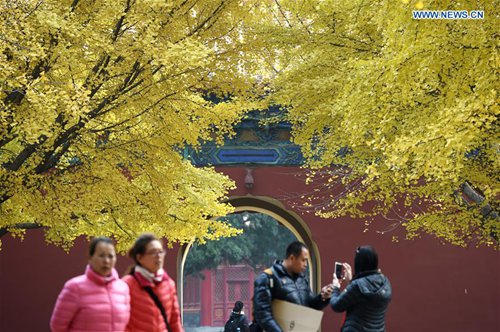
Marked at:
<point>256,204</point>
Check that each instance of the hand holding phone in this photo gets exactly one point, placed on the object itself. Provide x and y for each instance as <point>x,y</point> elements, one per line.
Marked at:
<point>347,272</point>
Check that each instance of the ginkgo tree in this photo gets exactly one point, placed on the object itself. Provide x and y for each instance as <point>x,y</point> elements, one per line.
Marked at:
<point>394,111</point>
<point>98,100</point>
<point>100,97</point>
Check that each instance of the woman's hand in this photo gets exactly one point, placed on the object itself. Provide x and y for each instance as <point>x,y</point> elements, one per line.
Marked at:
<point>347,271</point>
<point>335,281</point>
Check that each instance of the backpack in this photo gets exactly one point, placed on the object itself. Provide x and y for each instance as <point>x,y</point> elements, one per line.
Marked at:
<point>233,323</point>
<point>254,326</point>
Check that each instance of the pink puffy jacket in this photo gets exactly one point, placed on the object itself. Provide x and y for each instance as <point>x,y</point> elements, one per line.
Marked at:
<point>91,302</point>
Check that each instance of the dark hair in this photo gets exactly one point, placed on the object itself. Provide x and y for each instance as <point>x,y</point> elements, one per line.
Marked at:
<point>95,241</point>
<point>295,248</point>
<point>365,259</point>
<point>139,247</point>
<point>238,306</point>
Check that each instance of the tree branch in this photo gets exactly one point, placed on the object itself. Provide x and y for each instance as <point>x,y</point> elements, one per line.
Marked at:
<point>5,230</point>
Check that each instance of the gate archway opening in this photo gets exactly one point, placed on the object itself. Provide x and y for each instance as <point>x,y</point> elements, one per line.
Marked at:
<point>206,299</point>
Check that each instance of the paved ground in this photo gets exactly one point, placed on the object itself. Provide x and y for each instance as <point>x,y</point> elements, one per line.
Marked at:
<point>204,329</point>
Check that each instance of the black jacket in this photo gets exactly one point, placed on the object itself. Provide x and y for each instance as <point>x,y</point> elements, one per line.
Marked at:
<point>282,286</point>
<point>240,320</point>
<point>365,300</point>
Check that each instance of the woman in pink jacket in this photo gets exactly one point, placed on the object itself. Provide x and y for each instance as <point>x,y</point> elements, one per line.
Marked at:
<point>97,300</point>
<point>153,296</point>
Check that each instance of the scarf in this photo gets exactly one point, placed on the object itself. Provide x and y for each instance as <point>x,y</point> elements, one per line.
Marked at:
<point>155,278</point>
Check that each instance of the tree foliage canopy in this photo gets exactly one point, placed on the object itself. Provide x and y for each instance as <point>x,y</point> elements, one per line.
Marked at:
<point>404,110</point>
<point>98,99</point>
<point>262,241</point>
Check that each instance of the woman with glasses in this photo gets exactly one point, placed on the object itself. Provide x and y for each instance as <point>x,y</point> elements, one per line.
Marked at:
<point>153,296</point>
<point>366,297</point>
<point>98,300</point>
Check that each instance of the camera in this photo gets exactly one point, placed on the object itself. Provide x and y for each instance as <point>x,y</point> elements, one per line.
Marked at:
<point>338,270</point>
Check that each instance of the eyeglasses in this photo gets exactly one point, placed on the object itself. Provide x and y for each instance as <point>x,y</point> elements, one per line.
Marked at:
<point>155,253</point>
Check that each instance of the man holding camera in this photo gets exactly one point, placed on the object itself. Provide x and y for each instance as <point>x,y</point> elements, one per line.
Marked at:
<point>286,280</point>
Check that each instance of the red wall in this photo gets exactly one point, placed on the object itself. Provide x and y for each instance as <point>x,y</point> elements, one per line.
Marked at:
<point>436,287</point>
<point>32,273</point>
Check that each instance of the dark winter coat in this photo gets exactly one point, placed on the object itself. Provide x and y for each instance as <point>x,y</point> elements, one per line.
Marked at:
<point>365,300</point>
<point>240,321</point>
<point>277,283</point>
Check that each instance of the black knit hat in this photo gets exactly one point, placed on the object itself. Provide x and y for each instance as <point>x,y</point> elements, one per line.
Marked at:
<point>238,306</point>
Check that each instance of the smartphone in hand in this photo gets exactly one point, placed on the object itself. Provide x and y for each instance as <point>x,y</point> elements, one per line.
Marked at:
<point>339,269</point>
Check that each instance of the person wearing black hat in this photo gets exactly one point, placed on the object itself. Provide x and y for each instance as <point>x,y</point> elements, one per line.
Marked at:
<point>367,296</point>
<point>237,322</point>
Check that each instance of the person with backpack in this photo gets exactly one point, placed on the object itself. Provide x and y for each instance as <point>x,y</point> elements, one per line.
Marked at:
<point>237,322</point>
<point>285,280</point>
